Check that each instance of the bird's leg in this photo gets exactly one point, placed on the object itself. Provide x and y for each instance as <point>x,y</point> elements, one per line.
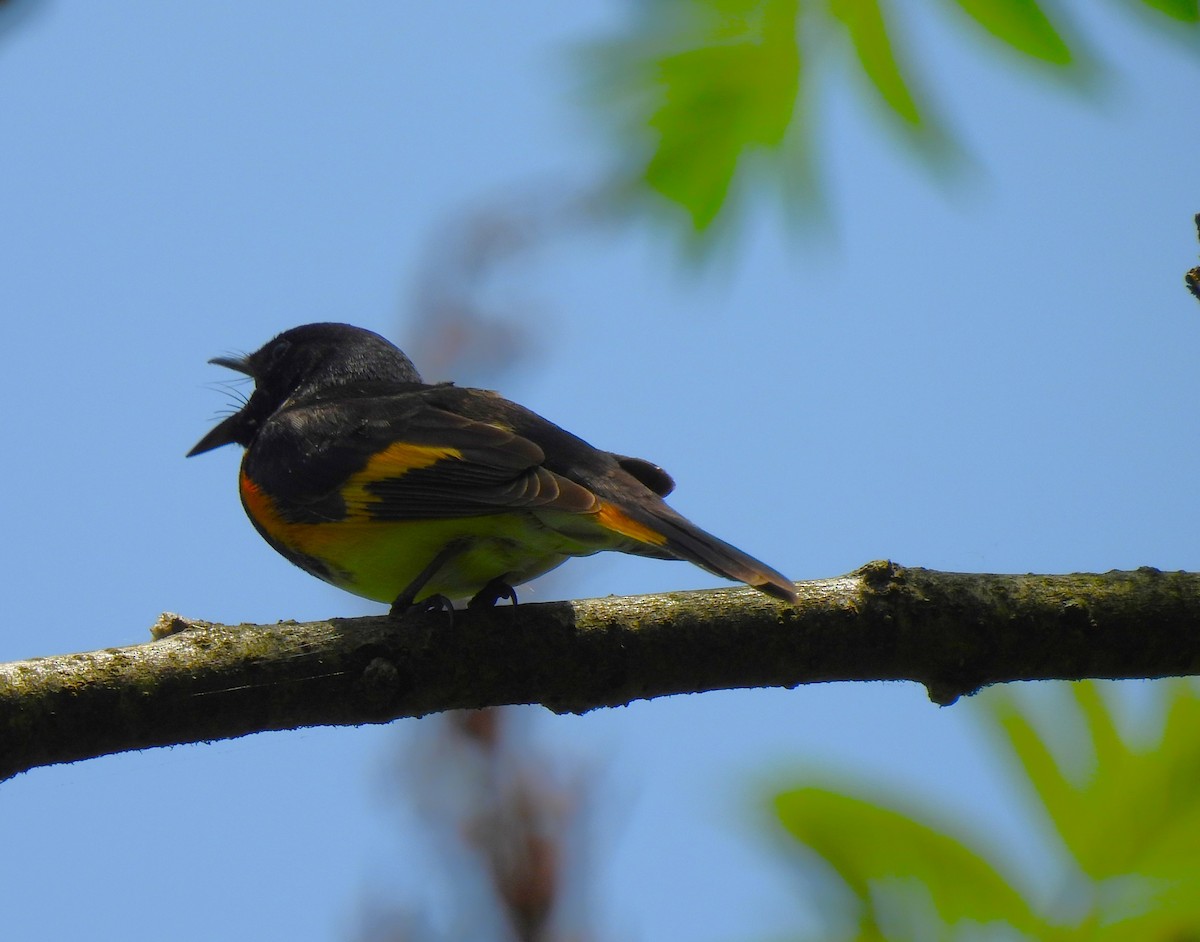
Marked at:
<point>492,593</point>
<point>438,603</point>
<point>406,599</point>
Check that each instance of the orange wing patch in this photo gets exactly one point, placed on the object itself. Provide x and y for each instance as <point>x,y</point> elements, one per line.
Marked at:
<point>613,518</point>
<point>400,457</point>
<point>393,462</point>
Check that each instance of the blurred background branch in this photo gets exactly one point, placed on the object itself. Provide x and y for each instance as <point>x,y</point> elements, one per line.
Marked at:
<point>507,832</point>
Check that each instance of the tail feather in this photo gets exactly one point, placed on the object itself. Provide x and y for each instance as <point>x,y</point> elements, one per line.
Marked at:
<point>651,528</point>
<point>686,541</point>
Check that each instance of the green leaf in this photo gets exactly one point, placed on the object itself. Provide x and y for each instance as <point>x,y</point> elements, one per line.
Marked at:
<point>1137,811</point>
<point>698,86</point>
<point>866,843</point>
<point>1114,840</point>
<point>1130,815</point>
<point>1061,799</point>
<point>1145,803</point>
<point>1093,817</point>
<point>718,99</point>
<point>1168,803</point>
<point>1169,913</point>
<point>1187,11</point>
<point>868,31</point>
<point>1021,24</point>
<point>1111,753</point>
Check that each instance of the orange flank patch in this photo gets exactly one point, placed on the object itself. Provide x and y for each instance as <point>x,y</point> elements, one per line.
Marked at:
<point>613,518</point>
<point>312,539</point>
<point>258,505</point>
<point>261,509</point>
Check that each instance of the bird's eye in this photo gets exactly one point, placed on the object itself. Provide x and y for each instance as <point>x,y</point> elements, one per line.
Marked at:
<point>277,352</point>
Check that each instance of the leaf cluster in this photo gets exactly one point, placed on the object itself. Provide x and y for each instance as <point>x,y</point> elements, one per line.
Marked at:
<point>703,88</point>
<point>1127,817</point>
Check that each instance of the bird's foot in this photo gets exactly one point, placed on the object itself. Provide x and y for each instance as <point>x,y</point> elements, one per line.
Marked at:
<point>492,593</point>
<point>405,605</point>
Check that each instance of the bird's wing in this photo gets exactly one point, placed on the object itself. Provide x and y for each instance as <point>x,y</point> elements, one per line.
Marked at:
<point>447,452</point>
<point>400,458</point>
<point>447,465</point>
<point>629,492</point>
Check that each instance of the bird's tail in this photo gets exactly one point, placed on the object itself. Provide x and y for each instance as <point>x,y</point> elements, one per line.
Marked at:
<point>661,532</point>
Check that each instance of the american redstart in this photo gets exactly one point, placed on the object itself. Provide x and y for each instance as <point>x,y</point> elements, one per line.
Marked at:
<point>403,492</point>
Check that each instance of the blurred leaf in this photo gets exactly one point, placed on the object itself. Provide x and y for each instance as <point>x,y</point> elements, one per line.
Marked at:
<point>1127,811</point>
<point>864,21</point>
<point>1103,797</point>
<point>867,843</point>
<point>717,81</point>
<point>1136,811</point>
<point>736,91</point>
<point>1168,803</point>
<point>1045,773</point>
<point>1170,914</point>
<point>1021,24</point>
<point>1187,11</point>
<point>1138,800</point>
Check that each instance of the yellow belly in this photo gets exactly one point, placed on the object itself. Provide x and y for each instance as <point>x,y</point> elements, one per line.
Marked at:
<point>380,559</point>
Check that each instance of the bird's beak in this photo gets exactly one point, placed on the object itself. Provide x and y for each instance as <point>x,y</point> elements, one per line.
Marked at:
<point>226,433</point>
<point>230,430</point>
<point>241,364</point>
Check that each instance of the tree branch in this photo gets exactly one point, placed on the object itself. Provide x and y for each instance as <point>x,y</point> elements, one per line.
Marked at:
<point>952,632</point>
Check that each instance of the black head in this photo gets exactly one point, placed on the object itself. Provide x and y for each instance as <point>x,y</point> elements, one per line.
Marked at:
<point>306,363</point>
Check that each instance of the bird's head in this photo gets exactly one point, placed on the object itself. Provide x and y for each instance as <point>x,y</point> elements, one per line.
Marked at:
<point>306,363</point>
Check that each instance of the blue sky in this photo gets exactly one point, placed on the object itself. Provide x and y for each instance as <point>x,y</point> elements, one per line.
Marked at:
<point>997,376</point>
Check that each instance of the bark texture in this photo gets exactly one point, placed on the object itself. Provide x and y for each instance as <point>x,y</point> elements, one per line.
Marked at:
<point>952,632</point>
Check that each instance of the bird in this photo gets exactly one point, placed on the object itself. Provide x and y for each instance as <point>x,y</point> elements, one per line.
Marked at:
<point>420,494</point>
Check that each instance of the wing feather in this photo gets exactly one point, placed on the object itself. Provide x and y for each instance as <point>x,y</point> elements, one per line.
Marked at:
<point>414,461</point>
